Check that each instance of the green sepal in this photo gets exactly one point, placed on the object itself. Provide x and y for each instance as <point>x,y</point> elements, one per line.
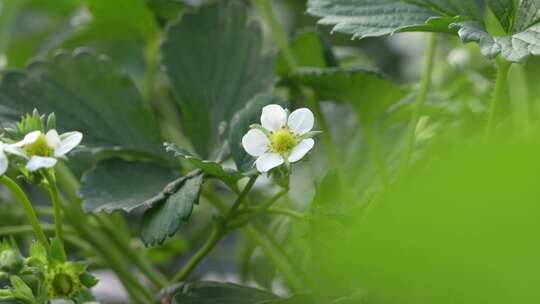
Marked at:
<point>57,254</point>
<point>88,280</point>
<point>51,122</point>
<point>21,291</point>
<point>310,134</point>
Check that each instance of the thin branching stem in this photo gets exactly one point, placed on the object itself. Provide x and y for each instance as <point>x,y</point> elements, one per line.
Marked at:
<point>28,209</point>
<point>503,67</point>
<point>216,235</point>
<point>425,85</point>
<point>53,192</point>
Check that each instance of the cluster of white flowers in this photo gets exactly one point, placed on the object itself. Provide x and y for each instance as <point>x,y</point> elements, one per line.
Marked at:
<point>281,138</point>
<point>40,150</point>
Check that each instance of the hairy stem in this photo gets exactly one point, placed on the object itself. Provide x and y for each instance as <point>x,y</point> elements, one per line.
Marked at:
<point>271,249</point>
<point>28,209</point>
<point>503,67</point>
<point>213,240</point>
<point>420,101</point>
<point>157,278</point>
<point>79,220</point>
<point>377,156</point>
<point>281,262</point>
<point>264,7</point>
<point>276,210</point>
<point>240,200</point>
<point>259,210</point>
<point>110,254</point>
<point>217,234</point>
<point>53,191</point>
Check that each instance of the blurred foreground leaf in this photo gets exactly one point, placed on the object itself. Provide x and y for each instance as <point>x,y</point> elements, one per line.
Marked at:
<point>459,230</point>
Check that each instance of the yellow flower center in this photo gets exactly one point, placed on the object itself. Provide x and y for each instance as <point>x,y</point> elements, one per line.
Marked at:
<point>283,141</point>
<point>40,147</point>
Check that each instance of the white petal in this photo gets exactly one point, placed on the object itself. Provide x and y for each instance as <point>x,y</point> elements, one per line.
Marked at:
<point>28,139</point>
<point>68,142</point>
<point>301,121</point>
<point>268,161</point>
<point>301,149</point>
<point>38,162</point>
<point>255,142</point>
<point>3,162</point>
<point>53,139</point>
<point>12,149</point>
<point>273,117</point>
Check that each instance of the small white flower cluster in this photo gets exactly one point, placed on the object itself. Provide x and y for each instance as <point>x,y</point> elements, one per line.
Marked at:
<point>281,138</point>
<point>40,150</point>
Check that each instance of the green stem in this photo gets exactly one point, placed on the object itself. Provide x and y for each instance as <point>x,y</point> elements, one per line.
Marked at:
<point>240,198</point>
<point>264,7</point>
<point>28,209</point>
<point>500,87</point>
<point>272,250</point>
<point>377,156</point>
<point>53,191</point>
<point>328,143</point>
<point>154,276</point>
<point>213,240</point>
<point>274,210</point>
<point>278,253</point>
<point>103,246</point>
<point>67,181</point>
<point>282,264</point>
<point>217,234</point>
<point>258,210</point>
<point>110,254</point>
<point>420,101</point>
<point>23,229</point>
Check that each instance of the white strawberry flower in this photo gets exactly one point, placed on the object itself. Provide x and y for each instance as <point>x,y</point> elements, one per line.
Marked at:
<point>44,150</point>
<point>281,138</point>
<point>4,161</point>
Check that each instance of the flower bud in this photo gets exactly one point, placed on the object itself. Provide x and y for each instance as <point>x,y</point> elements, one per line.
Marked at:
<point>11,261</point>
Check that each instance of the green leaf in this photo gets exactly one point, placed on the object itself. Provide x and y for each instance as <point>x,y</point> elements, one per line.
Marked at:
<point>88,280</point>
<point>118,18</point>
<point>121,185</point>
<point>524,42</point>
<point>528,15</point>
<point>504,11</point>
<point>309,50</point>
<point>373,18</point>
<point>367,91</point>
<point>251,114</point>
<point>164,220</point>
<point>514,48</point>
<point>469,8</point>
<point>86,94</point>
<point>210,168</point>
<point>214,62</point>
<point>223,293</point>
